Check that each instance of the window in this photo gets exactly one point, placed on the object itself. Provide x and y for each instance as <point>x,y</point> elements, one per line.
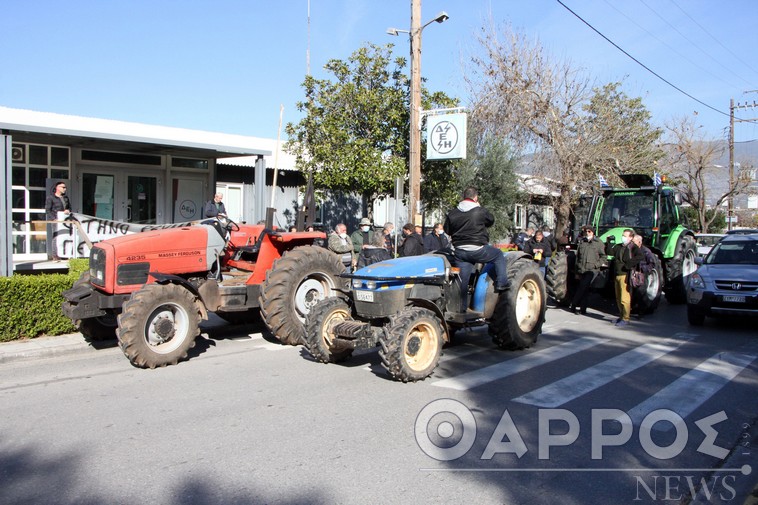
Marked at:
<point>34,166</point>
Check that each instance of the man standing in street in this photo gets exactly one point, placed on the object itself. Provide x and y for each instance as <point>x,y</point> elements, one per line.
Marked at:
<point>437,240</point>
<point>413,245</point>
<point>340,244</point>
<point>590,256</point>
<point>362,236</point>
<point>466,225</point>
<point>215,207</point>
<point>626,256</point>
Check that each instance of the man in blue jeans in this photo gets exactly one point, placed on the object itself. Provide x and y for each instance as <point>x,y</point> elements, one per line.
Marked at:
<point>466,225</point>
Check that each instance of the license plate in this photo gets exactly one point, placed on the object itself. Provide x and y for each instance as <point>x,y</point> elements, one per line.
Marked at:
<point>734,299</point>
<point>364,296</point>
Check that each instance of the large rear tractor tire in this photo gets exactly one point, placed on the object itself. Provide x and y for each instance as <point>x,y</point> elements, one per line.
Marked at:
<point>520,310</point>
<point>411,344</point>
<point>559,276</point>
<point>158,325</point>
<point>95,329</point>
<point>645,299</point>
<point>319,333</point>
<point>296,282</point>
<point>679,268</point>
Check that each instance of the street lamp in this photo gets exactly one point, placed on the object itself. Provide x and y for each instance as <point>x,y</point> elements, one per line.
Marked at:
<point>414,179</point>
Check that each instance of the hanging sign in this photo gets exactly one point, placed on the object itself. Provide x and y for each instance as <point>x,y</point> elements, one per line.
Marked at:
<point>446,137</point>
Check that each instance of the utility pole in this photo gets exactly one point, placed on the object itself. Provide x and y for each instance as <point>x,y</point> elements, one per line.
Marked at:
<point>414,180</point>
<point>730,200</point>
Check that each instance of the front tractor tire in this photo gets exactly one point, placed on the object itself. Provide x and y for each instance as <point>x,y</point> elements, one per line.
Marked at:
<point>679,268</point>
<point>411,344</point>
<point>295,283</point>
<point>520,310</point>
<point>319,330</point>
<point>158,325</point>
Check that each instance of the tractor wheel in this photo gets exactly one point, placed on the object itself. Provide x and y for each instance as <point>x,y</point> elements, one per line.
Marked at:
<point>158,325</point>
<point>695,315</point>
<point>679,268</point>
<point>240,317</point>
<point>295,283</point>
<point>319,324</point>
<point>558,277</point>
<point>520,310</point>
<point>411,344</point>
<point>94,329</point>
<point>647,297</point>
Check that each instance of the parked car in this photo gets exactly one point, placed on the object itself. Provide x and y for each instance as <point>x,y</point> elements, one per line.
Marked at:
<point>726,282</point>
<point>705,241</point>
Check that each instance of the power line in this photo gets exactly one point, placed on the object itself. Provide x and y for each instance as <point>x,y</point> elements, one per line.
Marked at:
<point>714,38</point>
<point>695,44</point>
<point>640,63</point>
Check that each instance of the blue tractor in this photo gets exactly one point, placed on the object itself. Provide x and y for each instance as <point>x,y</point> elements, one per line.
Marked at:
<point>410,307</point>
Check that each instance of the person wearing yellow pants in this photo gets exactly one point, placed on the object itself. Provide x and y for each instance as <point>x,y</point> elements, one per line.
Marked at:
<point>626,256</point>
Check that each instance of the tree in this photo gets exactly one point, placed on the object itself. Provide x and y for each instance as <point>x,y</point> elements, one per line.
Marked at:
<point>620,129</point>
<point>549,108</point>
<point>690,163</point>
<point>354,136</point>
<point>491,169</point>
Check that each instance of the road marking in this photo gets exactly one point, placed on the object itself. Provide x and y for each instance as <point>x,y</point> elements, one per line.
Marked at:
<point>580,383</point>
<point>516,365</point>
<point>461,351</point>
<point>692,389</point>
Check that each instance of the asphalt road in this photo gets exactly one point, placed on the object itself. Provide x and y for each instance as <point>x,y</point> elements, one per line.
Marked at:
<point>246,420</point>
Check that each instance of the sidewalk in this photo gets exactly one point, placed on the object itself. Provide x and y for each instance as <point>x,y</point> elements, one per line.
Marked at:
<point>45,347</point>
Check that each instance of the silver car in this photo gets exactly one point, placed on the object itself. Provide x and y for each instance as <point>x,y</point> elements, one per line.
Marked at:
<point>726,282</point>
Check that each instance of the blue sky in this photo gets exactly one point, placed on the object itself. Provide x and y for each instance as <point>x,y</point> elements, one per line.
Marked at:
<point>227,65</point>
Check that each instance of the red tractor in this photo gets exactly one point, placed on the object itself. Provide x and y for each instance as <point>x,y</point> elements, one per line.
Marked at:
<point>153,288</point>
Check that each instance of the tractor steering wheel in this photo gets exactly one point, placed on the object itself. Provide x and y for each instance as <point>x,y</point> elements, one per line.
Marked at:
<point>231,225</point>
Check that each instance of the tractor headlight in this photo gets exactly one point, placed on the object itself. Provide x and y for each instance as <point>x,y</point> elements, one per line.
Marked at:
<point>97,266</point>
<point>357,283</point>
<point>371,284</point>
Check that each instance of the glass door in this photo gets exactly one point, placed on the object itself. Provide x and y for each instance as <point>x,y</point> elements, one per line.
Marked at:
<point>141,199</point>
<point>98,195</point>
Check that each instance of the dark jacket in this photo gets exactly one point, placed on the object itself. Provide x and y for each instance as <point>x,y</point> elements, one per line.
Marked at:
<point>626,257</point>
<point>213,210</point>
<point>434,242</point>
<point>590,255</point>
<point>413,245</point>
<point>371,255</point>
<point>532,244</point>
<point>467,224</point>
<point>53,205</point>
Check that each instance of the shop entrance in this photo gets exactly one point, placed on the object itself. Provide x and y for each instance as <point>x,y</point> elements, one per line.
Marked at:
<point>110,194</point>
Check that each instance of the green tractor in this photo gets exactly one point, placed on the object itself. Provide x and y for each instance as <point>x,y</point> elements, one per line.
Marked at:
<point>652,211</point>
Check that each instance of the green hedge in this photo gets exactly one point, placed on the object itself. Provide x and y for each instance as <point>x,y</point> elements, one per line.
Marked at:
<point>30,305</point>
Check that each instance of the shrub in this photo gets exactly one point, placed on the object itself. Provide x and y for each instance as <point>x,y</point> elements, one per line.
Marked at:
<point>30,305</point>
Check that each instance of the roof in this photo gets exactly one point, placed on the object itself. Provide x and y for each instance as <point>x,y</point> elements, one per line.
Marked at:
<point>48,123</point>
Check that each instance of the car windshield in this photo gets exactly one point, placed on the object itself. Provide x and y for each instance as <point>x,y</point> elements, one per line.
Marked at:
<point>742,252</point>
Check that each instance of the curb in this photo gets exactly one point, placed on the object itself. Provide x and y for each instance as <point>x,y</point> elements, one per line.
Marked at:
<point>44,347</point>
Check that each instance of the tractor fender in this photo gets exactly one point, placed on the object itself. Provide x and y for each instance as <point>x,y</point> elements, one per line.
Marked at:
<point>428,304</point>
<point>674,238</point>
<point>175,279</point>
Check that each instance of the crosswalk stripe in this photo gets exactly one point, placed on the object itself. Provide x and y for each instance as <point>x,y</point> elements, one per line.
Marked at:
<point>692,389</point>
<point>580,383</point>
<point>516,365</point>
<point>461,351</point>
